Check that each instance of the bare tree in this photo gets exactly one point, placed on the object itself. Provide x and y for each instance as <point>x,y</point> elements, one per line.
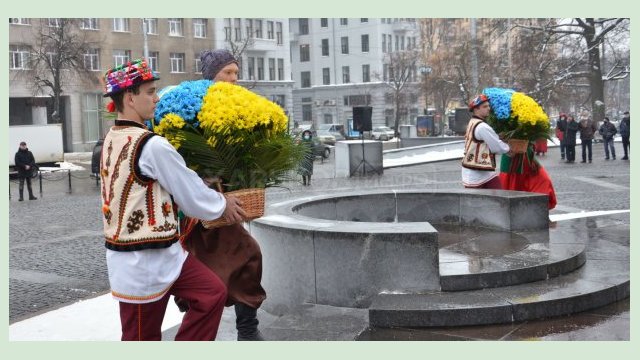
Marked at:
<point>58,58</point>
<point>402,68</point>
<point>588,34</point>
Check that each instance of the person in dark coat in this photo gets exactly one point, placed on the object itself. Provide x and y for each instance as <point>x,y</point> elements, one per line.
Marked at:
<point>625,132</point>
<point>608,130</point>
<point>25,164</point>
<point>229,251</point>
<point>570,139</point>
<point>561,127</point>
<point>588,128</point>
<point>306,168</point>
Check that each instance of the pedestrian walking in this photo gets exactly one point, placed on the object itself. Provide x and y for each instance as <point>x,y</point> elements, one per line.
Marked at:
<point>608,131</point>
<point>570,139</point>
<point>625,133</point>
<point>25,164</point>
<point>561,127</point>
<point>587,130</point>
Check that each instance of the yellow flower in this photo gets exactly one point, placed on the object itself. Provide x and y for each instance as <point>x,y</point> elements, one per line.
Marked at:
<point>527,110</point>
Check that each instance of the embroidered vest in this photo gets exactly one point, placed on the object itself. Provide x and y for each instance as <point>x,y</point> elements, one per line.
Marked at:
<point>137,212</point>
<point>476,152</point>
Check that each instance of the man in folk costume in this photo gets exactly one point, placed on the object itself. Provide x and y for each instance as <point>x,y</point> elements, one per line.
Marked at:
<point>142,175</point>
<point>481,145</point>
<point>230,251</point>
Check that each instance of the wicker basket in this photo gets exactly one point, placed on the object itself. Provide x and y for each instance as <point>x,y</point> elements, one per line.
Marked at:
<point>252,204</point>
<point>518,146</point>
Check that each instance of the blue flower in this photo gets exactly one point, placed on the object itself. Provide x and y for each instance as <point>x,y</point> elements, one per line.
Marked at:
<point>500,101</point>
<point>185,100</point>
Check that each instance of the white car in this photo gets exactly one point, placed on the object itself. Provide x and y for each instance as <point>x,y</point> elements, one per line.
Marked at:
<point>382,133</point>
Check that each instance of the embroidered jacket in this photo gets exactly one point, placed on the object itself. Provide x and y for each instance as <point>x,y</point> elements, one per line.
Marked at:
<point>137,212</point>
<point>477,155</point>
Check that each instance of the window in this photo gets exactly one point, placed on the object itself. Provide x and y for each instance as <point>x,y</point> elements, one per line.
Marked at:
<point>304,53</point>
<point>397,43</point>
<point>306,112</point>
<point>20,21</point>
<point>175,27</point>
<point>280,69</point>
<point>401,42</point>
<point>252,66</point>
<point>345,75</point>
<point>279,33</point>
<point>120,24</point>
<point>365,43</point>
<point>237,30</point>
<point>177,62</point>
<point>121,57</point>
<point>384,43</point>
<point>326,76</point>
<point>152,60</point>
<point>270,33</point>
<point>305,79</point>
<point>197,64</point>
<point>324,22</point>
<point>364,20</point>
<point>260,68</point>
<point>91,116</point>
<point>328,118</point>
<point>272,69</point>
<point>303,25</point>
<point>54,22</point>
<point>249,27</point>
<point>345,44</point>
<point>90,24</point>
<point>152,26</point>
<point>385,72</point>
<point>259,29</point>
<point>389,43</point>
<point>200,28</point>
<point>278,99</point>
<point>51,58</point>
<point>344,21</point>
<point>227,33</point>
<point>19,57</point>
<point>325,47</point>
<point>92,59</point>
<point>357,100</point>
<point>366,77</point>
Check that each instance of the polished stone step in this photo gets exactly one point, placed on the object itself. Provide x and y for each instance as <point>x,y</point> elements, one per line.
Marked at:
<point>602,280</point>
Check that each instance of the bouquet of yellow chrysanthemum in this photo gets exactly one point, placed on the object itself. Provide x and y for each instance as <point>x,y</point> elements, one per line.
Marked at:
<point>226,131</point>
<point>515,115</point>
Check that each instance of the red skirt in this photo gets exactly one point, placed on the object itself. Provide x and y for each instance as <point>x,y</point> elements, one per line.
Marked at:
<point>537,181</point>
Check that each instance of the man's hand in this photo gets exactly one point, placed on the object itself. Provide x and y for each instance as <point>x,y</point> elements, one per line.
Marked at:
<point>233,212</point>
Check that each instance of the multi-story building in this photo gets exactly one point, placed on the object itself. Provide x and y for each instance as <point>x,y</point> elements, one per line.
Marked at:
<point>339,63</point>
<point>173,47</point>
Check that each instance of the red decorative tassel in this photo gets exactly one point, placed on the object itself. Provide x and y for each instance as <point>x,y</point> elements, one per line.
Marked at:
<point>111,107</point>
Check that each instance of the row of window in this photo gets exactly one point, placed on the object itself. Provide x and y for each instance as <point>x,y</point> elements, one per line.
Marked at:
<point>253,30</point>
<point>20,59</point>
<point>303,24</point>
<point>305,76</point>
<point>387,41</point>
<point>389,114</point>
<point>175,25</point>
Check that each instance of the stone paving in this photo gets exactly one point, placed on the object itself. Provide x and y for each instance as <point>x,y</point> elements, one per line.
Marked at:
<point>57,254</point>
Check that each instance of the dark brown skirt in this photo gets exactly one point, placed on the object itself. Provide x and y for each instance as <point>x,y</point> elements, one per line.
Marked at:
<point>234,255</point>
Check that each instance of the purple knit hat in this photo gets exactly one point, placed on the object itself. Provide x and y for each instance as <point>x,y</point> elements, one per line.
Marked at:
<point>211,62</point>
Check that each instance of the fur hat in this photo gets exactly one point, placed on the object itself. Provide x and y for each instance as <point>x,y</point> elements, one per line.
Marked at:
<point>211,62</point>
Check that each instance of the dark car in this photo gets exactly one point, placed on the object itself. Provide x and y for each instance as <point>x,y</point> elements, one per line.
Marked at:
<point>95,158</point>
<point>320,149</point>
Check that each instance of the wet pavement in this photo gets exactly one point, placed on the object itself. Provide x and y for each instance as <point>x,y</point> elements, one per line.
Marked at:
<point>56,253</point>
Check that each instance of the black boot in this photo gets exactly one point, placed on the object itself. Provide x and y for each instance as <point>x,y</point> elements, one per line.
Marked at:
<point>31,197</point>
<point>21,192</point>
<point>247,323</point>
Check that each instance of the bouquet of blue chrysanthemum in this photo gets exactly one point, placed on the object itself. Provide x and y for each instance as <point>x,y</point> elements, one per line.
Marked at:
<point>226,131</point>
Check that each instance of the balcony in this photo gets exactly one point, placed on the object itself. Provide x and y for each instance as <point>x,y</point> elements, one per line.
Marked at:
<point>258,44</point>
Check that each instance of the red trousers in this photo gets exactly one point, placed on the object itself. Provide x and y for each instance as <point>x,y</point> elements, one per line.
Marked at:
<point>494,184</point>
<point>206,295</point>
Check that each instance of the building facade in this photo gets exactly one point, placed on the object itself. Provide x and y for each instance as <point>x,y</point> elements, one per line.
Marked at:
<point>339,63</point>
<point>173,46</point>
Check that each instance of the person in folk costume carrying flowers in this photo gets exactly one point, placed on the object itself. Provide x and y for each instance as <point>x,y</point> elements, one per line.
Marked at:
<point>481,145</point>
<point>229,251</point>
<point>142,175</point>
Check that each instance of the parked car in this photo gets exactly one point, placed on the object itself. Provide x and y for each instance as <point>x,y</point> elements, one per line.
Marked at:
<point>325,137</point>
<point>336,130</point>
<point>382,133</point>
<point>320,149</point>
